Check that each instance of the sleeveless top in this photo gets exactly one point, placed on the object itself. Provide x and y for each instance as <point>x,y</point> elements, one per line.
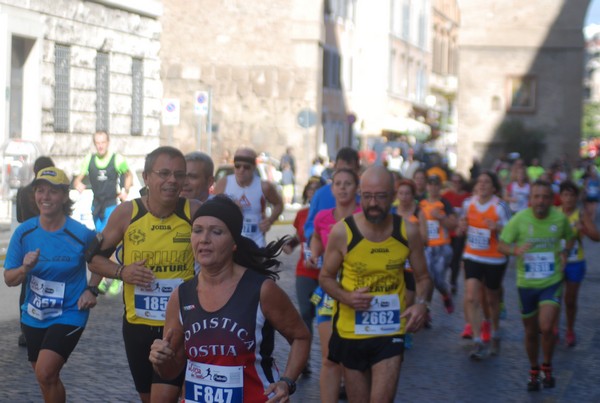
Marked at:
<point>437,235</point>
<point>379,266</point>
<point>482,243</point>
<point>229,351</point>
<point>252,202</point>
<point>165,244</point>
<point>576,253</point>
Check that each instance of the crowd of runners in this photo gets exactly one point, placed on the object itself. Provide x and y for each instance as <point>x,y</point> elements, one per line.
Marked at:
<point>201,301</point>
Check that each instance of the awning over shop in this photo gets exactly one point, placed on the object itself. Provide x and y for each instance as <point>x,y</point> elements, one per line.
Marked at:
<point>393,124</point>
<point>405,125</point>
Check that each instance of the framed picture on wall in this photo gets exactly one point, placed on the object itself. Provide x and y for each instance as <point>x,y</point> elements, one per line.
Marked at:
<point>521,94</point>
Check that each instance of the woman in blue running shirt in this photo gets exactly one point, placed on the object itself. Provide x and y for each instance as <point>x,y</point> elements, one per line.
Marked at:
<point>47,253</point>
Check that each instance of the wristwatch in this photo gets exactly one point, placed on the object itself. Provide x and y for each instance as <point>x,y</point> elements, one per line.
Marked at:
<point>93,289</point>
<point>290,383</point>
<point>424,302</point>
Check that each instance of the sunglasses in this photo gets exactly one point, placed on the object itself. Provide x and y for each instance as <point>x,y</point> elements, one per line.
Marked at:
<point>166,174</point>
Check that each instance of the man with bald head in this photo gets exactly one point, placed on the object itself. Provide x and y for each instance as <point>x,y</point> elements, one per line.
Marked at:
<point>367,252</point>
<point>252,195</point>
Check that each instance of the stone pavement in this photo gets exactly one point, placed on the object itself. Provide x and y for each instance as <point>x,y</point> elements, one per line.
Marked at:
<point>436,369</point>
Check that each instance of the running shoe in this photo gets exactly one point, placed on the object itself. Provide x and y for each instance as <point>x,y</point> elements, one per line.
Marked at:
<point>495,346</point>
<point>503,313</point>
<point>534,380</point>
<point>570,338</point>
<point>486,331</point>
<point>115,287</point>
<point>549,380</point>
<point>408,341</point>
<point>467,332</point>
<point>479,352</point>
<point>448,304</point>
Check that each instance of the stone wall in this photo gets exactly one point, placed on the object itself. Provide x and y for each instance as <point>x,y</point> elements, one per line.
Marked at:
<point>88,27</point>
<point>261,62</point>
<point>500,39</point>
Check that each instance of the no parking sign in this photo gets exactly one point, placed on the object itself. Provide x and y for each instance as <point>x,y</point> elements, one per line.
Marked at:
<point>201,99</point>
<point>170,112</point>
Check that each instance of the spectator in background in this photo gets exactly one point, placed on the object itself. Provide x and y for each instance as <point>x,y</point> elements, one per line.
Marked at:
<point>26,208</point>
<point>535,170</point>
<point>456,195</point>
<point>410,165</point>
<point>346,157</point>
<point>252,195</point>
<point>199,176</point>
<point>107,171</point>
<point>317,167</point>
<point>288,158</point>
<point>287,183</point>
<point>307,279</point>
<point>517,192</point>
<point>420,179</point>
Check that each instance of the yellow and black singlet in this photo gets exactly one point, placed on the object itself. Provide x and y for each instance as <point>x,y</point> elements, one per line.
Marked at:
<point>165,245</point>
<point>379,266</point>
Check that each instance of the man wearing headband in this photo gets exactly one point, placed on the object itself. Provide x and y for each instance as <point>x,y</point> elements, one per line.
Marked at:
<point>251,194</point>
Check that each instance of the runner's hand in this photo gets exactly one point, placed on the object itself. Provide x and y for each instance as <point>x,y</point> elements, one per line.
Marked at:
<point>31,259</point>
<point>138,274</point>
<point>360,299</point>
<point>281,391</point>
<point>160,351</point>
<point>417,315</point>
<point>87,300</point>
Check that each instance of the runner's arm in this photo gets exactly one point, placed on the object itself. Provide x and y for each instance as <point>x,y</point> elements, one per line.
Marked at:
<point>167,355</point>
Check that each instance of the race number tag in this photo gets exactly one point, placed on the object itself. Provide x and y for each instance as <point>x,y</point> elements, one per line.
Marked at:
<point>479,238</point>
<point>250,227</point>
<point>151,302</point>
<point>383,316</point>
<point>45,299</point>
<point>213,383</point>
<point>538,265</point>
<point>433,229</point>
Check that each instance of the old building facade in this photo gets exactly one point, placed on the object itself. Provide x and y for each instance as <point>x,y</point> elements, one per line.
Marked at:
<point>72,67</point>
<point>517,64</point>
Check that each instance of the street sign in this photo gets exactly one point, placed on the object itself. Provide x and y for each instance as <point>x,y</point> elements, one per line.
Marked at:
<point>201,99</point>
<point>170,112</point>
<point>306,118</point>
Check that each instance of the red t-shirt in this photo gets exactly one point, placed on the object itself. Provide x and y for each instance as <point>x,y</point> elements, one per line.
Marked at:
<point>302,271</point>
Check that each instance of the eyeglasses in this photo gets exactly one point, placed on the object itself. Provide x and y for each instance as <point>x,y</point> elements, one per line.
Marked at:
<point>246,167</point>
<point>166,174</point>
<point>377,196</point>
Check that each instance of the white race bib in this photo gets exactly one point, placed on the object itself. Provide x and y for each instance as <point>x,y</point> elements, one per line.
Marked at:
<point>383,316</point>
<point>250,226</point>
<point>433,229</point>
<point>538,265</point>
<point>479,238</point>
<point>213,383</point>
<point>151,302</point>
<point>45,299</point>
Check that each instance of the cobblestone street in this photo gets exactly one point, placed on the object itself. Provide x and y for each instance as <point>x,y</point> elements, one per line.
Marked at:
<point>437,368</point>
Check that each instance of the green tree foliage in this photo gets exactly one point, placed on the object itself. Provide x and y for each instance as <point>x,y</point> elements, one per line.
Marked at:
<point>516,137</point>
<point>590,122</point>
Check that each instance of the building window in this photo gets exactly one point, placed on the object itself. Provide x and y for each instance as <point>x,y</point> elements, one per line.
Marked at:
<point>137,97</point>
<point>62,72</point>
<point>406,19</point>
<point>331,69</point>
<point>521,94</point>
<point>102,91</point>
<point>343,9</point>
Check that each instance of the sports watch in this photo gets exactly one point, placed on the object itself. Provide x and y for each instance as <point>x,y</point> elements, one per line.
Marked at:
<point>290,383</point>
